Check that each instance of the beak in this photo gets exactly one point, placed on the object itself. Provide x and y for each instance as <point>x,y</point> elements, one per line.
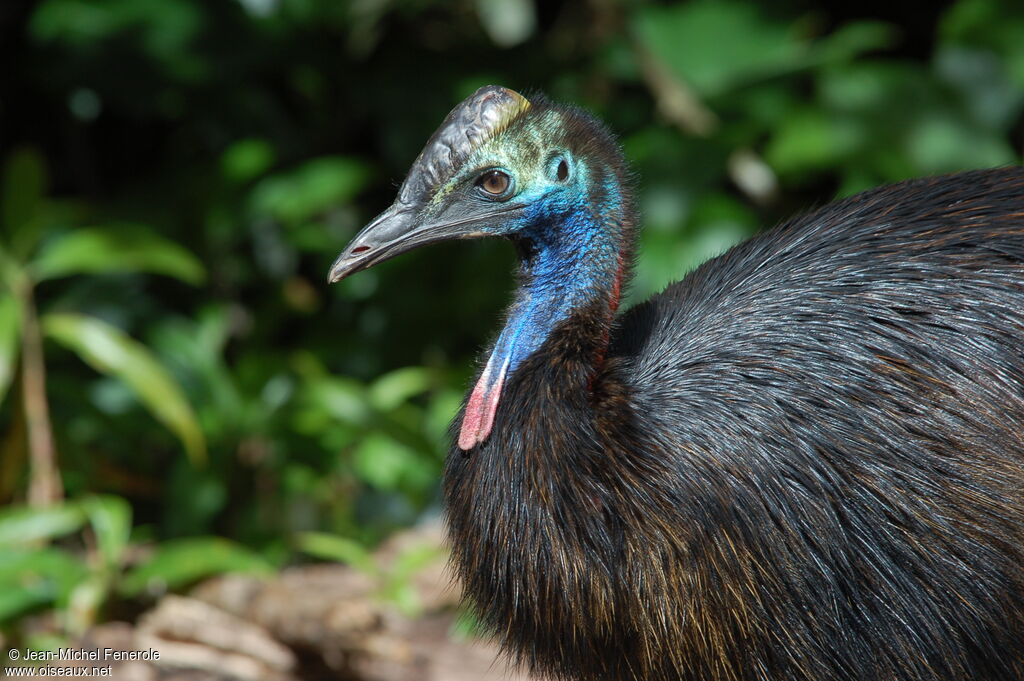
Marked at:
<point>399,229</point>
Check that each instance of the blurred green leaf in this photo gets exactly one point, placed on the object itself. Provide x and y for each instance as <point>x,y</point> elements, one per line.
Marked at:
<point>416,558</point>
<point>941,144</point>
<point>10,328</point>
<point>17,598</point>
<point>399,587</point>
<point>864,87</point>
<point>24,525</point>
<point>111,521</point>
<point>852,39</point>
<point>24,187</point>
<point>343,398</point>
<point>194,349</point>
<point>312,188</point>
<point>716,223</point>
<point>192,498</point>
<point>986,90</point>
<point>440,411</point>
<point>996,25</point>
<point>467,627</point>
<point>714,45</point>
<point>122,249</point>
<point>811,140</point>
<point>397,387</point>
<point>406,597</point>
<point>384,462</point>
<point>339,549</point>
<point>177,563</point>
<point>161,30</point>
<point>109,350</point>
<point>247,159</point>
<point>32,578</point>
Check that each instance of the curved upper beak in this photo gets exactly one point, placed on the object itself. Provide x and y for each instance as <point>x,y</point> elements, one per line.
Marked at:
<point>400,229</point>
<point>387,235</point>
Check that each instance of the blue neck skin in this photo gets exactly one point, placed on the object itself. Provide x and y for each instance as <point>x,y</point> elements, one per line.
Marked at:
<point>570,257</point>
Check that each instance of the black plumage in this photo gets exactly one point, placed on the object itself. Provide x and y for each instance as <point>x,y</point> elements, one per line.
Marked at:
<point>802,462</point>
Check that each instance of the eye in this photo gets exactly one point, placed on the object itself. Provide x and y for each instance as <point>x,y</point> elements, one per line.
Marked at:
<point>563,171</point>
<point>494,182</point>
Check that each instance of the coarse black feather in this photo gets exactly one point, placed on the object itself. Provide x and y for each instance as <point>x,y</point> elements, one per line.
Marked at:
<point>803,462</point>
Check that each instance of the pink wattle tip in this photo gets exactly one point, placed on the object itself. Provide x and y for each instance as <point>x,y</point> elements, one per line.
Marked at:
<point>483,403</point>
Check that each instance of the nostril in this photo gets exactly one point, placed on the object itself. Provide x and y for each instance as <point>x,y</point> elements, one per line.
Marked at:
<point>360,249</point>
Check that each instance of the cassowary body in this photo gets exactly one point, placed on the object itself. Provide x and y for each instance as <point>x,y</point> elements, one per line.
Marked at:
<point>805,461</point>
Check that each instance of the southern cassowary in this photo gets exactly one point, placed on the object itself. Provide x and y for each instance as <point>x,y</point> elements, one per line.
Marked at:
<point>804,461</point>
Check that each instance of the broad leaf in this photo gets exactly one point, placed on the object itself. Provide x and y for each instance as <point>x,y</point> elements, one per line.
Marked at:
<point>247,159</point>
<point>10,326</point>
<point>716,45</point>
<point>180,562</point>
<point>386,463</point>
<point>32,578</point>
<point>398,386</point>
<point>339,549</point>
<point>851,40</point>
<point>343,398</point>
<point>123,249</point>
<point>812,140</point>
<point>319,184</point>
<point>109,350</point>
<point>23,525</point>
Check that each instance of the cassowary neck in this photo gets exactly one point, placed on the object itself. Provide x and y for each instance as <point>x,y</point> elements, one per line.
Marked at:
<point>574,266</point>
<point>573,260</point>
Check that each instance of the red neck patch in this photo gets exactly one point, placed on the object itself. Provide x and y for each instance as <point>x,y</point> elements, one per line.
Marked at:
<point>482,405</point>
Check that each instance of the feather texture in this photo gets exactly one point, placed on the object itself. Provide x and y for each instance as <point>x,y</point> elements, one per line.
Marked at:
<point>802,462</point>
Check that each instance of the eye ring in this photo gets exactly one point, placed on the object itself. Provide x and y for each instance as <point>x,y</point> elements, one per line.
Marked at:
<point>494,183</point>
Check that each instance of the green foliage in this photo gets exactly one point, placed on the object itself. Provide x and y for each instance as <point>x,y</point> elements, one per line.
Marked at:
<point>9,324</point>
<point>24,265</point>
<point>31,578</point>
<point>110,351</point>
<point>716,46</point>
<point>298,195</point>
<point>103,250</point>
<point>247,159</point>
<point>178,176</point>
<point>184,561</point>
<point>75,556</point>
<point>163,29</point>
<point>338,549</point>
<point>26,526</point>
<point>394,580</point>
<point>24,187</point>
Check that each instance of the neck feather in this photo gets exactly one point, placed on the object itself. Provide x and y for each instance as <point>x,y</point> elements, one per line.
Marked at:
<point>572,266</point>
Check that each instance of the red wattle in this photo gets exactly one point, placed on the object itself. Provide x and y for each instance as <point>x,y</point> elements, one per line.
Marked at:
<point>483,403</point>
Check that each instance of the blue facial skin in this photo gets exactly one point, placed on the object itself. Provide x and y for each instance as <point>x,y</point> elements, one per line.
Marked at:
<point>569,258</point>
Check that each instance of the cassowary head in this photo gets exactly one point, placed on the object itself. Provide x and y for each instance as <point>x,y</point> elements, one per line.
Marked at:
<point>499,165</point>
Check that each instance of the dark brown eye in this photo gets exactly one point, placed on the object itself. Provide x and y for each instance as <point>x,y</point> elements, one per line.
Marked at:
<point>563,171</point>
<point>494,182</point>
